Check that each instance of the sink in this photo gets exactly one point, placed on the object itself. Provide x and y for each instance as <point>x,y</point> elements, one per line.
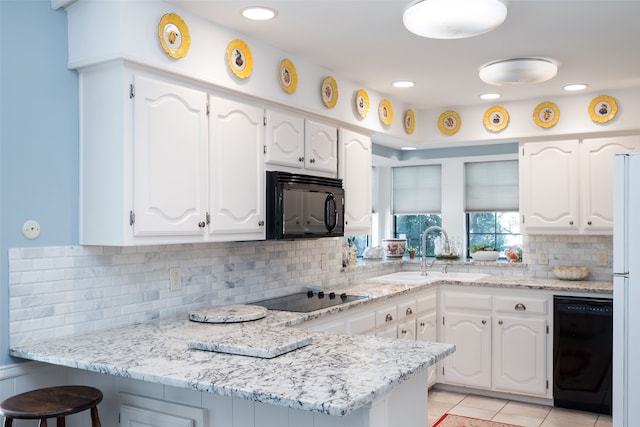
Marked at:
<point>416,278</point>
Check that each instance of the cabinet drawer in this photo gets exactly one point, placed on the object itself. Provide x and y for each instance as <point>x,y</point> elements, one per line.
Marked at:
<point>520,305</point>
<point>466,301</point>
<point>406,309</point>
<point>386,315</point>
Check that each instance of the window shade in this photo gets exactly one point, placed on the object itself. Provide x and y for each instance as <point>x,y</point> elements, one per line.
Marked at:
<point>491,186</point>
<point>417,189</point>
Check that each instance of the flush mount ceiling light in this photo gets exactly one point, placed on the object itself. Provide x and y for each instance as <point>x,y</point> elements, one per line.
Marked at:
<point>575,86</point>
<point>259,13</point>
<point>518,71</point>
<point>453,19</point>
<point>488,96</point>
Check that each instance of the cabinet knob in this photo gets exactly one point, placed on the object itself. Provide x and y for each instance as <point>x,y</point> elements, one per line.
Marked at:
<point>499,322</point>
<point>422,324</point>
<point>520,307</point>
<point>388,317</point>
<point>312,161</point>
<point>484,322</point>
<point>409,312</point>
<point>588,222</point>
<point>570,222</point>
<point>202,224</point>
<point>301,159</point>
<point>404,332</point>
<point>261,223</point>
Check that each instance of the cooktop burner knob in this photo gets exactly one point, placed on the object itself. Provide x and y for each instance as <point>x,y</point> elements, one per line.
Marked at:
<point>321,294</point>
<point>343,295</point>
<point>332,295</point>
<point>309,294</point>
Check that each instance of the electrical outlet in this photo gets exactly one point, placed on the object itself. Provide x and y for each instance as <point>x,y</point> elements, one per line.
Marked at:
<point>175,278</point>
<point>602,258</point>
<point>31,229</point>
<point>543,256</point>
<point>324,261</point>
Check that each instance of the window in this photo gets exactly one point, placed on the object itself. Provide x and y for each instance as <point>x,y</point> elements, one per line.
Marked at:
<point>417,203</point>
<point>491,204</point>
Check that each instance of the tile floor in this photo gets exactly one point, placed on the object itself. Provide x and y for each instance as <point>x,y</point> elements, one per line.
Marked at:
<point>507,411</point>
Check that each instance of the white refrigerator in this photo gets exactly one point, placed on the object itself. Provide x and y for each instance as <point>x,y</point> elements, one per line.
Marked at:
<point>626,291</point>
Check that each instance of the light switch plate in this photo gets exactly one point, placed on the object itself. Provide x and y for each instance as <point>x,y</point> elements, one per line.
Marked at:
<point>602,259</point>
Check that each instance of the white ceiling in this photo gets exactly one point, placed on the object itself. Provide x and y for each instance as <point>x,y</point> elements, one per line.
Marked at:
<point>594,41</point>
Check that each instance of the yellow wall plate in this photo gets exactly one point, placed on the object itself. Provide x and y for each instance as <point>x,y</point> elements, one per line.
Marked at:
<point>174,35</point>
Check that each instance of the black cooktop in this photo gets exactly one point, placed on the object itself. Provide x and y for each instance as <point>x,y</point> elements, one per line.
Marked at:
<point>304,302</point>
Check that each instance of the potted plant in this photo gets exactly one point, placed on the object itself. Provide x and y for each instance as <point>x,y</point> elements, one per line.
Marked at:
<point>484,252</point>
<point>412,252</point>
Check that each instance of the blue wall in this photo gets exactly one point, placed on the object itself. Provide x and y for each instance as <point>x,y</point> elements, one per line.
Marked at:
<point>38,135</point>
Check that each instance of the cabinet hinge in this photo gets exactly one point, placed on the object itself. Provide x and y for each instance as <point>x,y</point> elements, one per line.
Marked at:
<point>119,418</point>
<point>264,120</point>
<point>523,151</point>
<point>132,91</point>
<point>547,329</point>
<point>547,384</point>
<point>443,371</point>
<point>443,320</point>
<point>208,110</point>
<point>264,149</point>
<point>208,218</point>
<point>132,218</point>
<point>523,219</point>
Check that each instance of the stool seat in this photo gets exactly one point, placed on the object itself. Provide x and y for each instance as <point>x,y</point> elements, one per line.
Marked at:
<point>52,402</point>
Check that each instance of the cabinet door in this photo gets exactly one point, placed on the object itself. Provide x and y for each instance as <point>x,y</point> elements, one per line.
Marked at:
<point>321,147</point>
<point>519,355</point>
<point>361,324</point>
<point>284,139</point>
<point>597,180</point>
<point>426,329</point>
<point>407,329</point>
<point>549,186</point>
<point>470,364</point>
<point>169,158</point>
<point>236,170</point>
<point>355,171</point>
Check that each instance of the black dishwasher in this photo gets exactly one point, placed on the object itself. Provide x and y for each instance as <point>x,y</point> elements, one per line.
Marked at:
<point>582,353</point>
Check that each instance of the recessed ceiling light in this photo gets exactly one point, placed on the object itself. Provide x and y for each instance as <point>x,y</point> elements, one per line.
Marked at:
<point>259,13</point>
<point>575,86</point>
<point>453,19</point>
<point>407,148</point>
<point>488,96</point>
<point>403,84</point>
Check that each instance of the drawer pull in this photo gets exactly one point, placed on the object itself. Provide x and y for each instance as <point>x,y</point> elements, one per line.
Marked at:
<point>484,322</point>
<point>499,322</point>
<point>520,307</point>
<point>388,318</point>
<point>422,324</point>
<point>409,312</point>
<point>404,332</point>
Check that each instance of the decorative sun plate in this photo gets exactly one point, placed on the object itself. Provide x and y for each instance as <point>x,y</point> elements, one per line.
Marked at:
<point>239,58</point>
<point>602,109</point>
<point>174,35</point>
<point>385,112</point>
<point>496,118</point>
<point>329,92</point>
<point>288,76</point>
<point>546,114</point>
<point>449,122</point>
<point>362,103</point>
<point>409,121</point>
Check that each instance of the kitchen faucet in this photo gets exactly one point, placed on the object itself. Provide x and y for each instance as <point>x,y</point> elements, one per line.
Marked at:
<point>423,260</point>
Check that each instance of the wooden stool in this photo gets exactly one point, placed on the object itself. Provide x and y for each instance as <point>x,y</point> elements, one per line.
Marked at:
<point>52,402</point>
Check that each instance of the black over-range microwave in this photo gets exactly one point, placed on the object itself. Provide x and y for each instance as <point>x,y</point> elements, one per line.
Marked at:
<point>303,206</point>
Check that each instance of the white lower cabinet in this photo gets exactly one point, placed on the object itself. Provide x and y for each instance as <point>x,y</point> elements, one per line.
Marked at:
<point>502,341</point>
<point>139,411</point>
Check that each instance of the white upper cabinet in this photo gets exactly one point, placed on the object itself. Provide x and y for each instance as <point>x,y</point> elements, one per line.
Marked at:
<point>355,171</point>
<point>285,139</point>
<point>567,186</point>
<point>236,170</point>
<point>169,158</point>
<point>549,187</point>
<point>596,159</point>
<point>298,145</point>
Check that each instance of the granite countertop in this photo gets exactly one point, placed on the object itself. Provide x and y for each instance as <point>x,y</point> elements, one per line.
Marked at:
<point>332,374</point>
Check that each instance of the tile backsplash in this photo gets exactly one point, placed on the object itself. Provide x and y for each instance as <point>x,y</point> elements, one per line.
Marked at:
<point>68,290</point>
